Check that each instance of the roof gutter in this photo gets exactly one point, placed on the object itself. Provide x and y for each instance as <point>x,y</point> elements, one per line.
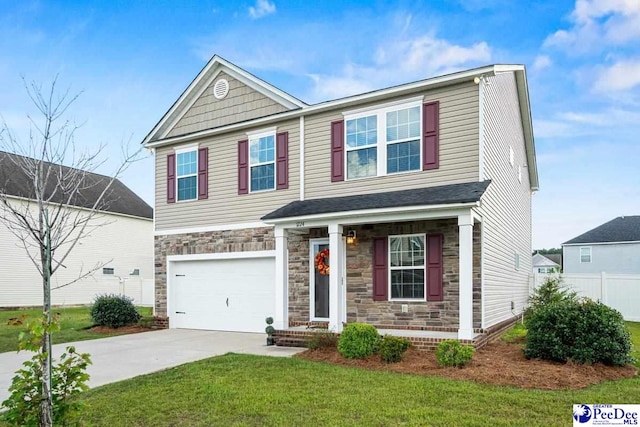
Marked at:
<point>353,216</point>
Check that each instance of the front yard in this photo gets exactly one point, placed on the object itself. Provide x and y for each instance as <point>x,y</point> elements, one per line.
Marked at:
<point>74,323</point>
<point>250,390</point>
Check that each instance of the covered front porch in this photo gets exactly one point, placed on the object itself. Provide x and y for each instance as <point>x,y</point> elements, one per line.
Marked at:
<point>407,262</point>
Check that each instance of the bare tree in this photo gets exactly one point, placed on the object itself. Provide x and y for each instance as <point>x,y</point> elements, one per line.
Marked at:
<point>59,200</point>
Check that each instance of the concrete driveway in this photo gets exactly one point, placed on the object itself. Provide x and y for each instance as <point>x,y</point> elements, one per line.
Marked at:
<point>127,356</point>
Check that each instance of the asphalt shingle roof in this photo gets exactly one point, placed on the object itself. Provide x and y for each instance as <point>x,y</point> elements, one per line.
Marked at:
<point>118,199</point>
<point>621,229</point>
<point>445,194</point>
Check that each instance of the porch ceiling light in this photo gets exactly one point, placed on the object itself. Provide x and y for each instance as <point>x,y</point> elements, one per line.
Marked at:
<point>351,237</point>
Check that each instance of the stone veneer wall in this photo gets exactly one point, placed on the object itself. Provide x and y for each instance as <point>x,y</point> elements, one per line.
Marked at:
<point>251,239</point>
<point>387,314</point>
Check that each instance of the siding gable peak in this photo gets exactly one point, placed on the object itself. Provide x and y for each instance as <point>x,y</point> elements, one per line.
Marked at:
<point>198,99</point>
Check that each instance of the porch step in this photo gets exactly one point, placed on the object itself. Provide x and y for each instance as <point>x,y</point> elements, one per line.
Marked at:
<point>288,341</point>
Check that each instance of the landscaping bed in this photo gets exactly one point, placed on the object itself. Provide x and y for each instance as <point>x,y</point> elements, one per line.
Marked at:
<point>499,363</point>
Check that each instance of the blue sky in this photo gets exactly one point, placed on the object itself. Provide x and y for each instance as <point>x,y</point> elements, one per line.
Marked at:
<point>131,61</point>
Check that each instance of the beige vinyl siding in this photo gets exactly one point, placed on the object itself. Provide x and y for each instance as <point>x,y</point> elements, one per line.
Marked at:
<point>506,205</point>
<point>459,160</point>
<point>224,205</point>
<point>126,242</point>
<point>241,103</point>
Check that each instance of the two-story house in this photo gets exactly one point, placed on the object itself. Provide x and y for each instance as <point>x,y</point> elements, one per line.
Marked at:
<point>408,208</point>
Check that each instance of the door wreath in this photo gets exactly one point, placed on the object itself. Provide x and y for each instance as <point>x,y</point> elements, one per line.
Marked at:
<point>322,262</point>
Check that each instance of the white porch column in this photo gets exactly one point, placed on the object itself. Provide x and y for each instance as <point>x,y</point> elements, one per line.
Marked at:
<point>465,276</point>
<point>281,314</point>
<point>335,277</point>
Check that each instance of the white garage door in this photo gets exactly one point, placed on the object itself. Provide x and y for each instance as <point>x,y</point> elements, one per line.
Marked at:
<point>222,294</point>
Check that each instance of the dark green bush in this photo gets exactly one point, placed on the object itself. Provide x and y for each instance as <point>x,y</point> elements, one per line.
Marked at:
<point>583,331</point>
<point>392,348</point>
<point>452,353</point>
<point>113,311</point>
<point>322,339</point>
<point>147,321</point>
<point>358,340</point>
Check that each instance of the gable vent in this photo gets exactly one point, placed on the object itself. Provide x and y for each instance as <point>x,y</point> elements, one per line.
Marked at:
<point>221,89</point>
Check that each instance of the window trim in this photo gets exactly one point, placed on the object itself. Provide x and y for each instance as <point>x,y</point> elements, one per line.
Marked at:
<point>253,136</point>
<point>390,268</point>
<point>182,150</point>
<point>590,254</point>
<point>381,145</point>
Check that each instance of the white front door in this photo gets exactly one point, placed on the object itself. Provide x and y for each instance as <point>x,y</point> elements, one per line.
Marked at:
<point>319,283</point>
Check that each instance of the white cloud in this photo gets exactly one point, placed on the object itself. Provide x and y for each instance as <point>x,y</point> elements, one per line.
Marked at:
<point>262,8</point>
<point>622,75</point>
<point>401,61</point>
<point>541,62</point>
<point>598,23</point>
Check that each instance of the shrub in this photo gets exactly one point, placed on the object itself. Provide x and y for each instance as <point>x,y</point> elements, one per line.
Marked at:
<point>358,340</point>
<point>322,339</point>
<point>583,331</point>
<point>147,321</point>
<point>452,353</point>
<point>113,311</point>
<point>549,292</point>
<point>392,348</point>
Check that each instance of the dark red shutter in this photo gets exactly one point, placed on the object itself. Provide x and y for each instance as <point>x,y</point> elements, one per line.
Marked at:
<point>430,137</point>
<point>434,267</point>
<point>282,160</point>
<point>243,167</point>
<point>171,178</point>
<point>337,151</point>
<point>380,269</point>
<point>203,173</point>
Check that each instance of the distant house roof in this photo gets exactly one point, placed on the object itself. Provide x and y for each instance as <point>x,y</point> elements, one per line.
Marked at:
<point>539,260</point>
<point>118,199</point>
<point>621,229</point>
<point>557,258</point>
<point>444,194</point>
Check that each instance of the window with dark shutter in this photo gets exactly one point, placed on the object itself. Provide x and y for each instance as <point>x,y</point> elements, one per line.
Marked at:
<point>282,161</point>
<point>434,267</point>
<point>171,178</point>
<point>203,173</point>
<point>243,167</point>
<point>430,135</point>
<point>337,151</point>
<point>380,269</point>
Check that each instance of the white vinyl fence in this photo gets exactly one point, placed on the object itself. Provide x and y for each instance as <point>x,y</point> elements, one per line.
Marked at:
<point>619,291</point>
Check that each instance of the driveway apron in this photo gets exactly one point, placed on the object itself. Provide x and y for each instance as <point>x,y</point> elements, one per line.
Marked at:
<point>127,356</point>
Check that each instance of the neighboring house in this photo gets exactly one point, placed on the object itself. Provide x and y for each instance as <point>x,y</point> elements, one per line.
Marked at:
<point>420,192</point>
<point>125,241</point>
<point>613,247</point>
<point>543,265</point>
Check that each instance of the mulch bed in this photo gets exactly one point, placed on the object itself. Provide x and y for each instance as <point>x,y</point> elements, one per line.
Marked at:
<point>120,331</point>
<point>498,363</point>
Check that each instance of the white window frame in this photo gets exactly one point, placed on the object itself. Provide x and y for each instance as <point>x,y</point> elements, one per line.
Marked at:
<point>182,150</point>
<point>254,136</point>
<point>380,111</point>
<point>590,254</point>
<point>390,268</point>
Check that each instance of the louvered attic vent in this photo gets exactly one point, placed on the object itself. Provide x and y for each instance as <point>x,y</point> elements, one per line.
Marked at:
<point>221,89</point>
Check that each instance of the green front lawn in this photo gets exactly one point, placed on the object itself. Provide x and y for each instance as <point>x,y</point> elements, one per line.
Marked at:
<point>252,390</point>
<point>74,322</point>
